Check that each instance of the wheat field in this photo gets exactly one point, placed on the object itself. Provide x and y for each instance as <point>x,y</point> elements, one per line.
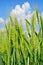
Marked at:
<point>19,48</point>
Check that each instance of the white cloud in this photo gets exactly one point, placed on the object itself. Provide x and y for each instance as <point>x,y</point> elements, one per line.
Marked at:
<point>1,20</point>
<point>21,12</point>
<point>26,6</point>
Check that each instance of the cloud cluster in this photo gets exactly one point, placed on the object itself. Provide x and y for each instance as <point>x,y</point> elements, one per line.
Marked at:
<point>21,12</point>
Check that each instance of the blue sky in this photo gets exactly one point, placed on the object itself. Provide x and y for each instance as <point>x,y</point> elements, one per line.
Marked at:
<point>18,8</point>
<point>7,5</point>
